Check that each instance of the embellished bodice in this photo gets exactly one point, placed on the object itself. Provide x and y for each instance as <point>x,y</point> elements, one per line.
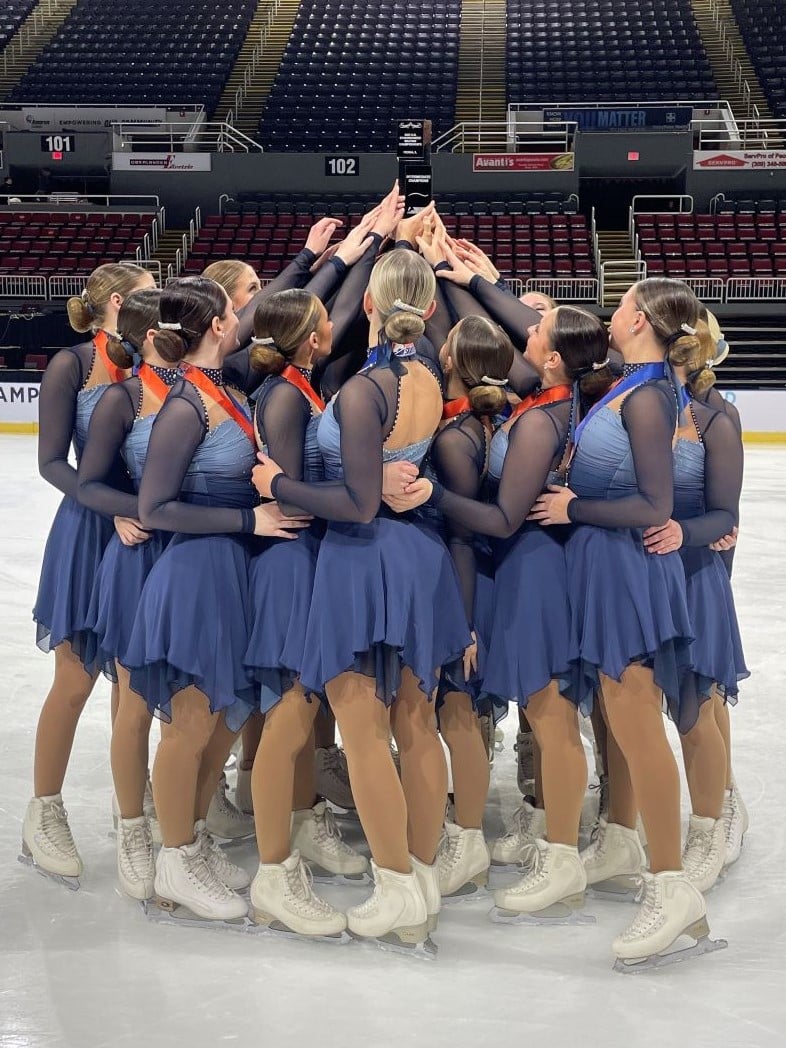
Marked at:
<point>688,479</point>
<point>220,471</point>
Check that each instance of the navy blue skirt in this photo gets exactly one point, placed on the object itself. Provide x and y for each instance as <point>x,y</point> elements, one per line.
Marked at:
<point>716,653</point>
<point>627,606</point>
<point>386,596</point>
<point>192,626</point>
<point>74,548</point>
<point>531,627</point>
<point>281,583</point>
<point>116,592</point>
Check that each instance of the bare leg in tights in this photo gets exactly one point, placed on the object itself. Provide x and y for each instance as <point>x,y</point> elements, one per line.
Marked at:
<point>252,733</point>
<point>724,727</point>
<point>129,749</point>
<point>58,719</point>
<point>555,722</point>
<point>424,773</point>
<point>623,809</point>
<point>364,723</point>
<point>634,715</point>
<point>283,775</point>
<point>704,754</point>
<point>460,728</point>
<point>212,766</point>
<point>177,765</point>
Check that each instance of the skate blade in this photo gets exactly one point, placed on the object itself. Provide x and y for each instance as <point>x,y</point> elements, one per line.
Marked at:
<point>702,945</point>
<point>426,950</point>
<point>473,889</point>
<point>566,911</point>
<point>266,924</point>
<point>231,842</point>
<point>71,883</point>
<point>163,911</point>
<point>614,891</point>
<point>323,876</point>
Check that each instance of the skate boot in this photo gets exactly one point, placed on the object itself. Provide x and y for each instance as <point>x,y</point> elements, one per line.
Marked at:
<point>332,777</point>
<point>704,852</point>
<point>428,880</point>
<point>243,799</point>
<point>234,877</point>
<point>223,818</point>
<point>735,822</point>
<point>525,751</point>
<point>614,860</point>
<point>670,907</point>
<point>550,893</point>
<point>318,839</point>
<point>47,843</point>
<point>136,867</point>
<point>187,889</point>
<point>149,810</point>
<point>489,736</point>
<point>515,848</point>
<point>463,859</point>
<point>283,900</point>
<point>394,915</point>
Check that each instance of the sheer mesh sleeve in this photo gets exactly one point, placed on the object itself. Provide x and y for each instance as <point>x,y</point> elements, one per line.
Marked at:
<point>722,480</point>
<point>177,432</point>
<point>715,399</point>
<point>110,424</point>
<point>649,414</point>
<point>327,278</point>
<point>239,373</point>
<point>56,417</point>
<point>534,441</point>
<point>438,324</point>
<point>282,416</point>
<point>362,411</point>
<point>348,304</point>
<point>505,309</point>
<point>296,274</point>
<point>461,302</point>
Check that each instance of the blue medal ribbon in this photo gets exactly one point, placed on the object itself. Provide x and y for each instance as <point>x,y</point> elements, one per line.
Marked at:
<point>647,373</point>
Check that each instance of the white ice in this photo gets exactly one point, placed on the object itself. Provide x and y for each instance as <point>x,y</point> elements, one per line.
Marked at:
<point>87,970</point>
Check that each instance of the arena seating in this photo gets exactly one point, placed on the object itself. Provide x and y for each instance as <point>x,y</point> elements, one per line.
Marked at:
<point>40,243</point>
<point>521,245</point>
<point>603,50</point>
<point>761,25</point>
<point>123,51</point>
<point>352,68</point>
<point>722,245</point>
<point>14,12</point>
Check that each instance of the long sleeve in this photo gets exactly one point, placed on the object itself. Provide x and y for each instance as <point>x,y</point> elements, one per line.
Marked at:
<point>327,278</point>
<point>177,432</point>
<point>534,441</point>
<point>348,304</point>
<point>239,373</point>
<point>505,309</point>
<point>296,274</point>
<point>56,416</point>
<point>438,325</point>
<point>649,415</point>
<point>722,484</point>
<point>457,457</point>
<point>363,414</point>
<point>110,424</point>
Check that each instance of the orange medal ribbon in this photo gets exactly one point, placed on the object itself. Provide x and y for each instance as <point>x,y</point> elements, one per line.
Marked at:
<point>201,381</point>
<point>452,408</point>
<point>153,382</point>
<point>539,400</point>
<point>297,378</point>
<point>116,374</point>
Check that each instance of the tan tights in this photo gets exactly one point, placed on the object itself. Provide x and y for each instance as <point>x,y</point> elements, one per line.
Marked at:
<point>704,753</point>
<point>460,728</point>
<point>189,761</point>
<point>555,722</point>
<point>252,733</point>
<point>724,727</point>
<point>283,775</point>
<point>129,749</point>
<point>399,817</point>
<point>633,712</point>
<point>58,719</point>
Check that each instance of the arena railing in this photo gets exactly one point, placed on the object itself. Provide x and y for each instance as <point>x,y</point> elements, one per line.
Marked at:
<point>209,137</point>
<point>494,136</point>
<point>663,205</point>
<point>708,289</point>
<point>752,134</point>
<point>564,289</point>
<point>17,286</point>
<point>756,289</point>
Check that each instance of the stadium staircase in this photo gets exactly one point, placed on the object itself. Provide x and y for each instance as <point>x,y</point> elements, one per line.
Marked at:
<point>169,243</point>
<point>728,85</point>
<point>481,89</point>
<point>29,41</point>
<point>261,64</point>
<point>245,60</point>
<point>616,264</point>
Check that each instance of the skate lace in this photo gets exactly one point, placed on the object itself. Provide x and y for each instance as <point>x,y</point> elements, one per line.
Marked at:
<point>519,825</point>
<point>199,871</point>
<point>448,850</point>
<point>148,804</point>
<point>226,807</point>
<point>533,857</point>
<point>335,765</point>
<point>597,845</point>
<point>649,914</point>
<point>699,850</point>
<point>55,827</point>
<point>301,893</point>
<point>138,848</point>
<point>221,865</point>
<point>329,835</point>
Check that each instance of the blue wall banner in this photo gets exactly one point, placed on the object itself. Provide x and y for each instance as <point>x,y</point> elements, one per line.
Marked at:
<point>628,118</point>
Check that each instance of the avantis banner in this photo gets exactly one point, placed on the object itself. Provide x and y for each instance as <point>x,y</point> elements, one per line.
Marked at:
<point>739,159</point>
<point>162,162</point>
<point>482,162</point>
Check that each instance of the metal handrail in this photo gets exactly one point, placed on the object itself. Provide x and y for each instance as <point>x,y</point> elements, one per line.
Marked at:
<point>168,137</point>
<point>496,135</point>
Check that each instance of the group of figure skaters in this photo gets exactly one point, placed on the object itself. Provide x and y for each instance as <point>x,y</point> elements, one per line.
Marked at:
<point>385,494</point>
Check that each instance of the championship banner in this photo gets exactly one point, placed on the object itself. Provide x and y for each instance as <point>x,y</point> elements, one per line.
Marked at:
<point>18,406</point>
<point>623,118</point>
<point>162,162</point>
<point>494,162</point>
<point>739,159</point>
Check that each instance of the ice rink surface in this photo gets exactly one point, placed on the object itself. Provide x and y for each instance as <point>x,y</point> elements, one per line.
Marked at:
<point>87,970</point>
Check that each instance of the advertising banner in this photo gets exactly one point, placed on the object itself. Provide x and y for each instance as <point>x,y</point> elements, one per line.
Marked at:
<point>522,162</point>
<point>179,162</point>
<point>739,159</point>
<point>78,118</point>
<point>18,405</point>
<point>632,118</point>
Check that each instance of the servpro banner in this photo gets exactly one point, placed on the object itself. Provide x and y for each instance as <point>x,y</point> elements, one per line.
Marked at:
<point>482,162</point>
<point>739,159</point>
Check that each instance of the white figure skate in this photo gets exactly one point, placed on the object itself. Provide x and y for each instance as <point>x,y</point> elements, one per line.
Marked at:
<point>332,777</point>
<point>318,839</point>
<point>463,859</point>
<point>552,892</point>
<point>395,916</point>
<point>136,866</point>
<point>223,818</point>
<point>284,902</point>
<point>47,844</point>
<point>614,861</point>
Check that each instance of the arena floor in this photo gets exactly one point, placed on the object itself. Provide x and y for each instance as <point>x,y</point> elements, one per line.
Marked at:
<point>86,969</point>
